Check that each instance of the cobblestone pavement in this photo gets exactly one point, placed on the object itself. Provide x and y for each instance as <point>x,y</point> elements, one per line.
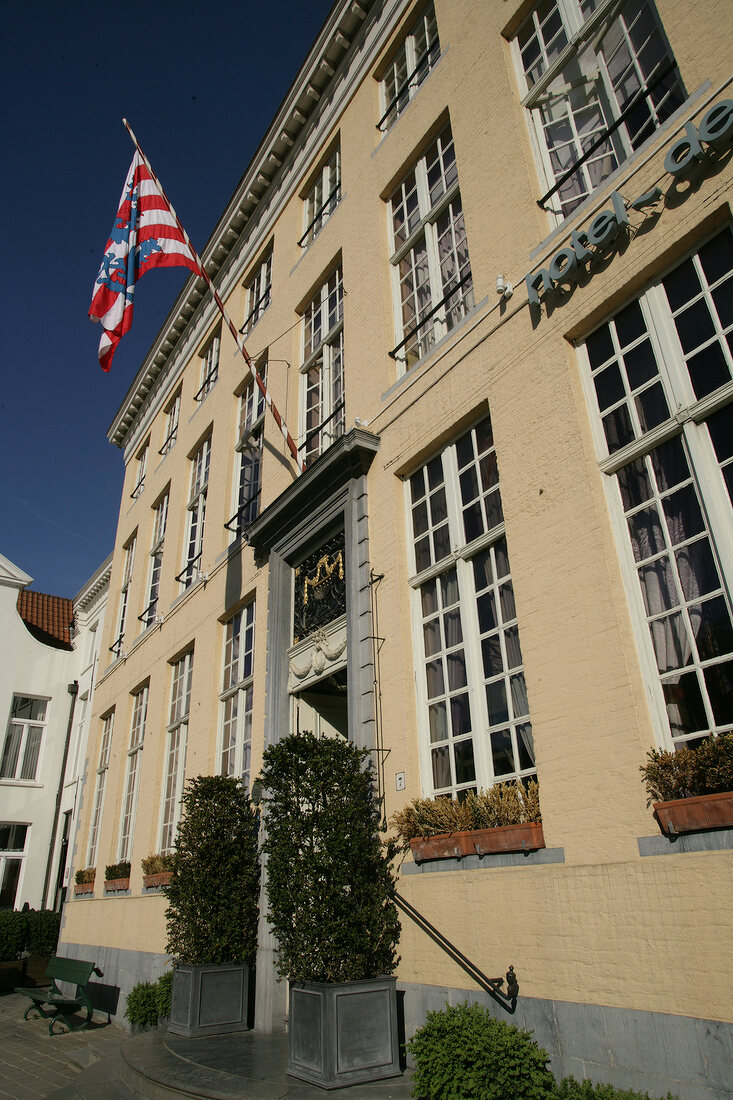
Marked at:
<point>35,1064</point>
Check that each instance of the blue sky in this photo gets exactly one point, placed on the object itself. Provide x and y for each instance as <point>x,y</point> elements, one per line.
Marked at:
<point>199,85</point>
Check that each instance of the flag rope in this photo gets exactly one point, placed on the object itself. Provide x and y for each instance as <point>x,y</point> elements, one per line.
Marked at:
<point>223,310</point>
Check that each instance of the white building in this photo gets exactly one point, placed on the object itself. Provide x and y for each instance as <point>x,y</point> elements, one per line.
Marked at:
<point>46,680</point>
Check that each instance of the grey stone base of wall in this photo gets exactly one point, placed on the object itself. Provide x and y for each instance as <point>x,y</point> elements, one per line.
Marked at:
<point>652,1052</point>
<point>121,970</point>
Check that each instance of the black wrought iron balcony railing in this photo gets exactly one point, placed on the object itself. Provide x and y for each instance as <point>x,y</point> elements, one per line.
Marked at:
<point>423,66</point>
<point>244,515</point>
<point>189,570</point>
<point>319,427</point>
<point>254,313</point>
<point>332,201</point>
<point>207,383</point>
<point>169,441</point>
<point>641,93</point>
<point>461,303</point>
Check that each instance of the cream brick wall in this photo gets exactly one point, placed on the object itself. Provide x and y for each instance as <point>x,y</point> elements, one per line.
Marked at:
<point>606,926</point>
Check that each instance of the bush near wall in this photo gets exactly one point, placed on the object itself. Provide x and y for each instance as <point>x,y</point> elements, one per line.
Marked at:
<point>463,1053</point>
<point>157,864</point>
<point>85,875</point>
<point>117,870</point>
<point>147,1002</point>
<point>687,773</point>
<point>28,933</point>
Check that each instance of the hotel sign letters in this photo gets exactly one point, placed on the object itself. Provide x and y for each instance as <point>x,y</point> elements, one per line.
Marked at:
<point>715,129</point>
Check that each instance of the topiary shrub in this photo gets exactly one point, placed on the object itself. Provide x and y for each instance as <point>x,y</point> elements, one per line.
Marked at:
<point>117,870</point>
<point>686,773</point>
<point>330,883</point>
<point>142,1004</point>
<point>570,1089</point>
<point>503,804</point>
<point>463,1053</point>
<point>213,895</point>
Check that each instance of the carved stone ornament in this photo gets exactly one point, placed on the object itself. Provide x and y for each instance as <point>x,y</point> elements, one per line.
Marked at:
<point>320,654</point>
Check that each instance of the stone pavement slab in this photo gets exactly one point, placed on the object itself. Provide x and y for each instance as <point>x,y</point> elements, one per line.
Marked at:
<point>34,1064</point>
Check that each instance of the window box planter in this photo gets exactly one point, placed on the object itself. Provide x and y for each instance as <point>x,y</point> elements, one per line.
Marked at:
<point>82,888</point>
<point>343,1033</point>
<point>692,815</point>
<point>209,1000</point>
<point>116,885</point>
<point>527,837</point>
<point>162,878</point>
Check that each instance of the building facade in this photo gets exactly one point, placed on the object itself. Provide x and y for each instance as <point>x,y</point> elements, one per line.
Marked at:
<point>483,258</point>
<point>49,650</point>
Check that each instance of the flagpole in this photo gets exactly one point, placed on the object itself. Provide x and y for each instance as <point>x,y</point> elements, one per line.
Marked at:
<point>223,310</point>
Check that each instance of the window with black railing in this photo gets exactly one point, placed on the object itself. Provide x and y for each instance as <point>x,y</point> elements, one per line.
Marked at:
<point>249,455</point>
<point>598,78</point>
<point>322,198</point>
<point>116,647</point>
<point>196,510</point>
<point>209,369</point>
<point>160,521</point>
<point>259,294</point>
<point>171,424</point>
<point>431,268</point>
<point>323,416</point>
<point>412,62</point>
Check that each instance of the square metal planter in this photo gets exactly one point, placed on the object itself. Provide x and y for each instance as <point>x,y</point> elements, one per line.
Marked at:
<point>209,1000</point>
<point>343,1033</point>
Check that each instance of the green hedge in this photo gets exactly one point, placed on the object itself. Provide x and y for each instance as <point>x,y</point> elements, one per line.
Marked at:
<point>464,1053</point>
<point>149,1001</point>
<point>28,932</point>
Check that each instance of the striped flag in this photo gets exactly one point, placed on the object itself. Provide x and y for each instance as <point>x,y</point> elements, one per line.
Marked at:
<point>146,234</point>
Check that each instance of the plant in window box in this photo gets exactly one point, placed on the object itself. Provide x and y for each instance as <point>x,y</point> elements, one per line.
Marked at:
<point>692,789</point>
<point>506,818</point>
<point>157,870</point>
<point>330,888</point>
<point>85,881</point>
<point>213,903</point>
<point>117,876</point>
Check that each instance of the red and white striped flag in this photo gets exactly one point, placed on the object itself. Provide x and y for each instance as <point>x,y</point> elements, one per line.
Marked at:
<point>146,234</point>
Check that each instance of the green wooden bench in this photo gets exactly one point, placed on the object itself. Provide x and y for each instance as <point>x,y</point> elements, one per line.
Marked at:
<point>63,1006</point>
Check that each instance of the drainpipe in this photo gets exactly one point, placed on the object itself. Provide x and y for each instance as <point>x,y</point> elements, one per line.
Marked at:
<point>73,690</point>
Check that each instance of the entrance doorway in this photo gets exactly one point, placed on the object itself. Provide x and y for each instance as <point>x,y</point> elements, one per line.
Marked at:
<point>322,707</point>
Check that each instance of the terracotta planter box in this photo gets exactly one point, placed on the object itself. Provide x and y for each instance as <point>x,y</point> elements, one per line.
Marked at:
<point>83,888</point>
<point>479,842</point>
<point>113,885</point>
<point>161,878</point>
<point>692,815</point>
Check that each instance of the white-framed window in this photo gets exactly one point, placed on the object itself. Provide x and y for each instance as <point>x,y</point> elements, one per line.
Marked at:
<point>248,464</point>
<point>583,66</point>
<point>160,520</point>
<point>659,380</point>
<point>116,646</point>
<point>236,695</point>
<point>108,723</point>
<point>142,462</point>
<point>172,416</point>
<point>431,269</point>
<point>473,706</point>
<point>132,774</point>
<point>209,368</point>
<point>23,738</point>
<point>412,62</point>
<point>175,759</point>
<point>196,508</point>
<point>323,413</point>
<point>322,198</point>
<point>12,850</point>
<point>259,293</point>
